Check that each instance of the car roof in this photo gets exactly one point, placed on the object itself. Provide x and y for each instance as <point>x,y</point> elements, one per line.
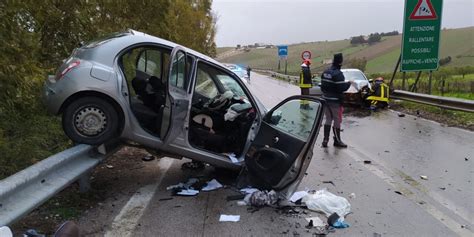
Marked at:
<point>105,53</point>
<point>350,70</point>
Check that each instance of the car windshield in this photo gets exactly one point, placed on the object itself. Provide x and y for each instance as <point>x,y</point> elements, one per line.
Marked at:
<point>354,75</point>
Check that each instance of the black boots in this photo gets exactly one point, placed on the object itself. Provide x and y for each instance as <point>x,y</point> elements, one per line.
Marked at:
<point>327,131</point>
<point>337,138</point>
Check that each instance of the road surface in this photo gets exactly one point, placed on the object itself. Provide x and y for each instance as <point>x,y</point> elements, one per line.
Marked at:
<point>389,197</point>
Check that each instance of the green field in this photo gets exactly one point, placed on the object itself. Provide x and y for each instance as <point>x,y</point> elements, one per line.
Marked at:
<point>381,57</point>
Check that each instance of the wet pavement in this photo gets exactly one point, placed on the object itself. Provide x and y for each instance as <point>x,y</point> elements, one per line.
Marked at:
<point>387,196</point>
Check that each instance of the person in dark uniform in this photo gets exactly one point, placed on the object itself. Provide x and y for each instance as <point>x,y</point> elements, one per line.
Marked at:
<point>305,82</point>
<point>248,72</point>
<point>333,85</point>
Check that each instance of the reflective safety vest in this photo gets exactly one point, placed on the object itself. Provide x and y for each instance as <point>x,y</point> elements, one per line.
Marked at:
<point>381,93</point>
<point>305,78</point>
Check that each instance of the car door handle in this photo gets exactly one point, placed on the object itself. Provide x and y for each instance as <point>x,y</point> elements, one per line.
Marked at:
<point>276,139</point>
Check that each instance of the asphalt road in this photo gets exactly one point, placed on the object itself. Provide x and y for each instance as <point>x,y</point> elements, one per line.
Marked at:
<point>388,195</point>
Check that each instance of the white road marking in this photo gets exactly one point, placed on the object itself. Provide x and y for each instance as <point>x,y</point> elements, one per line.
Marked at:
<point>126,221</point>
<point>429,208</point>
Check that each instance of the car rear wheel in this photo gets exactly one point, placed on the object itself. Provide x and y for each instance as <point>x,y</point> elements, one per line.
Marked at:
<point>90,120</point>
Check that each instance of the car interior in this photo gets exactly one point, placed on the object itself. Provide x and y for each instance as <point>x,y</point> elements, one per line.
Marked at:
<point>221,114</point>
<point>146,75</point>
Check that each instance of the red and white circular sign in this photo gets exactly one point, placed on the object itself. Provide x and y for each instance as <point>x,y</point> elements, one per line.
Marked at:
<point>306,55</point>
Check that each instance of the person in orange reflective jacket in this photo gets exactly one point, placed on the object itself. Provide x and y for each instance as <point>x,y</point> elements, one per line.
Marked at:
<point>379,94</point>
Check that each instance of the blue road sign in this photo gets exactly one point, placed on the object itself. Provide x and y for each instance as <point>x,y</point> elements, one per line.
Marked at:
<point>282,50</point>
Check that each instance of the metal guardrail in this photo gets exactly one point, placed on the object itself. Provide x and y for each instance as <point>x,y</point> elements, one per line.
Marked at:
<point>24,191</point>
<point>439,101</point>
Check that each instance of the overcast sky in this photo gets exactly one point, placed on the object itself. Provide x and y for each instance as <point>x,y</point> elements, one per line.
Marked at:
<point>294,21</point>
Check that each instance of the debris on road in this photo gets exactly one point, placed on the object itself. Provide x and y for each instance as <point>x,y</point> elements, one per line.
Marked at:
<point>424,177</point>
<point>466,159</point>
<point>377,234</point>
<point>212,185</point>
<point>329,182</point>
<point>248,190</point>
<point>352,195</point>
<point>109,166</point>
<point>262,198</point>
<point>367,162</point>
<point>229,218</point>
<point>297,196</point>
<point>187,192</point>
<point>328,203</point>
<point>442,188</point>
<point>315,222</point>
<point>337,221</point>
<point>378,212</point>
<point>398,192</point>
<point>186,185</point>
<point>401,115</point>
<point>148,158</point>
<point>193,165</point>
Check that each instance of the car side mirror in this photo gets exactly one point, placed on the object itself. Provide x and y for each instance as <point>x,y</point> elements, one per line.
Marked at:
<point>275,117</point>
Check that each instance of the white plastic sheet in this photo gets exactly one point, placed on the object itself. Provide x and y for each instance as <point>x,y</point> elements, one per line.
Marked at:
<point>212,185</point>
<point>328,203</point>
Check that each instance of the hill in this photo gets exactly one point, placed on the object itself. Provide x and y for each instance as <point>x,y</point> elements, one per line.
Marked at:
<point>381,57</point>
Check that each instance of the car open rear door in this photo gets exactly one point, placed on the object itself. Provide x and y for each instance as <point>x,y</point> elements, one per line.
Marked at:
<point>176,110</point>
<point>283,147</point>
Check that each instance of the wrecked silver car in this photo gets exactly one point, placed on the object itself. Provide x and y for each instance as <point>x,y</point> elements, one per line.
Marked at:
<point>148,91</point>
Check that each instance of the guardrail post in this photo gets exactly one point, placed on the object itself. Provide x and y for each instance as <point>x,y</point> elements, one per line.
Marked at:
<point>84,182</point>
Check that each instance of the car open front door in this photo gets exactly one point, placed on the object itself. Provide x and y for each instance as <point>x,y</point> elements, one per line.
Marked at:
<point>176,109</point>
<point>283,147</point>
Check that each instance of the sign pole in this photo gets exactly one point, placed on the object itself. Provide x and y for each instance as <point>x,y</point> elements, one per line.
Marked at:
<point>286,66</point>
<point>278,65</point>
<point>403,81</point>
<point>413,88</point>
<point>429,83</point>
<point>395,71</point>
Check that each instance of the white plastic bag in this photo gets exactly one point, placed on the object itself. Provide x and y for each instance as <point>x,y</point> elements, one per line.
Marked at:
<point>328,203</point>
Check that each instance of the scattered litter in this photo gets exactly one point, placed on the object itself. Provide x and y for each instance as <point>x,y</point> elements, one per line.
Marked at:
<point>442,188</point>
<point>187,192</point>
<point>248,190</point>
<point>164,199</point>
<point>327,203</point>
<point>367,162</point>
<point>297,225</point>
<point>401,115</point>
<point>337,221</point>
<point>398,192</point>
<point>377,235</point>
<point>315,221</point>
<point>424,177</point>
<point>212,185</point>
<point>378,212</point>
<point>309,225</point>
<point>466,159</point>
<point>387,151</point>
<point>186,185</point>
<point>148,158</point>
<point>235,197</point>
<point>230,218</point>
<point>298,195</point>
<point>262,198</point>
<point>352,195</point>
<point>109,166</point>
<point>421,202</point>
<point>329,182</point>
<point>370,224</point>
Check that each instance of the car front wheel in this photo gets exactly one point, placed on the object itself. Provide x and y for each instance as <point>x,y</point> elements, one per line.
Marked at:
<point>90,120</point>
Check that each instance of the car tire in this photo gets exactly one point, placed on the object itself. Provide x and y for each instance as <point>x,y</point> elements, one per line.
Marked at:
<point>90,120</point>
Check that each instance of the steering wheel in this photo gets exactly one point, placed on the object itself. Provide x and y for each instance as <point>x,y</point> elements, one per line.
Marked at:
<point>219,101</point>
